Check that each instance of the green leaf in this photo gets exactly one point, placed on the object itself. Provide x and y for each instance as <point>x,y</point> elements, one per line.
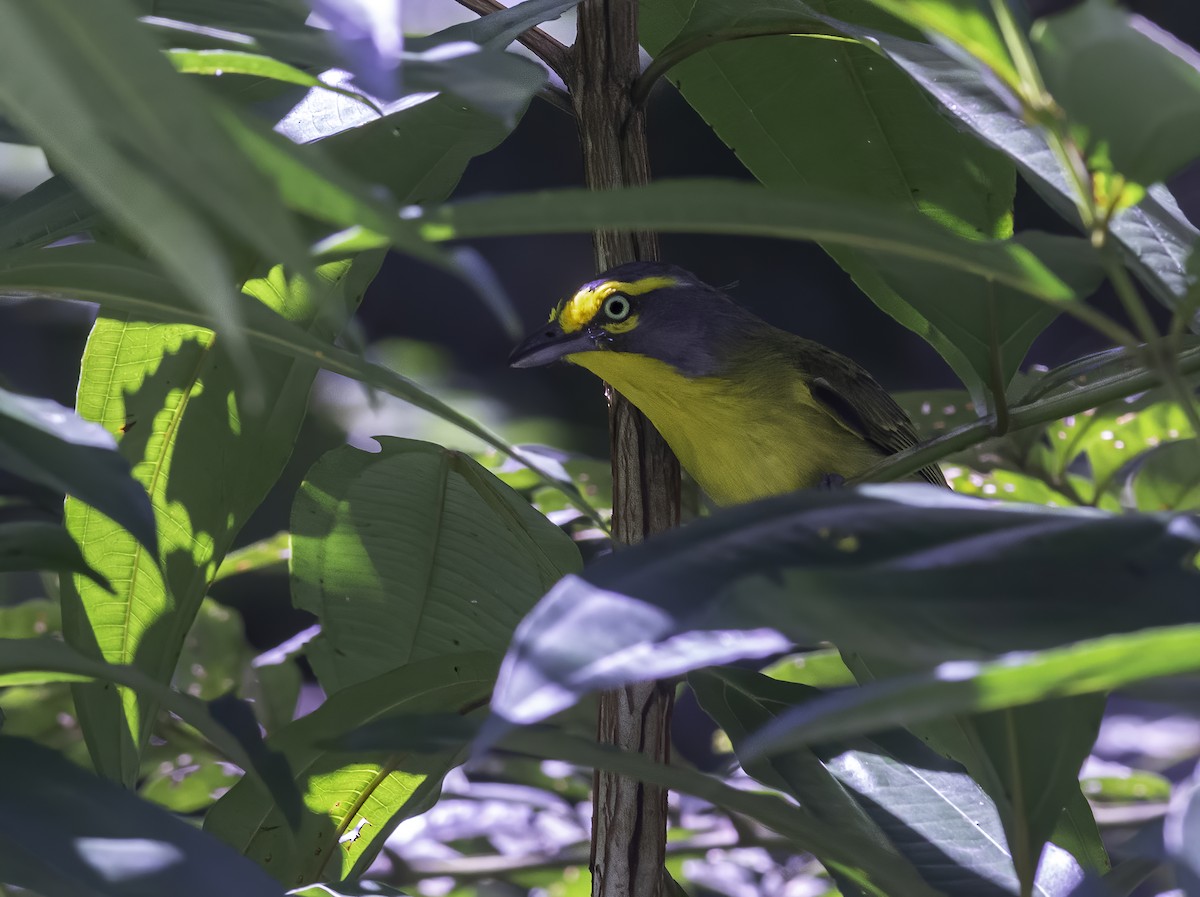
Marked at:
<point>272,551</point>
<point>141,142</point>
<point>41,545</point>
<point>1100,68</point>
<point>1088,667</point>
<point>49,212</point>
<point>732,207</point>
<point>29,659</point>
<point>182,413</point>
<point>42,441</point>
<point>907,573</point>
<point>1154,237</point>
<point>65,832</point>
<point>333,842</point>
<point>1167,478</point>
<point>926,807</point>
<point>440,556</point>
<point>967,23</point>
<point>239,62</point>
<point>761,97</point>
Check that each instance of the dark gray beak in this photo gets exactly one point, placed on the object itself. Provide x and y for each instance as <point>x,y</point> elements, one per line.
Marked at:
<point>548,344</point>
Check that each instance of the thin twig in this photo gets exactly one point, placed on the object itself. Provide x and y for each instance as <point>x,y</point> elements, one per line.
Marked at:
<point>1042,411</point>
<point>556,55</point>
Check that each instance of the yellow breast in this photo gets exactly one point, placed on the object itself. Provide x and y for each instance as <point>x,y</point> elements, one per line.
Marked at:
<point>740,440</point>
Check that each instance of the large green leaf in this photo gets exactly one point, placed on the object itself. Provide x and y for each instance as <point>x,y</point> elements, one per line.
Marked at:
<point>733,207</point>
<point>1154,237</point>
<point>340,792</point>
<point>828,113</point>
<point>65,833</point>
<point>438,555</point>
<point>206,458</point>
<point>42,441</point>
<point>141,142</point>
<point>904,573</point>
<point>928,808</point>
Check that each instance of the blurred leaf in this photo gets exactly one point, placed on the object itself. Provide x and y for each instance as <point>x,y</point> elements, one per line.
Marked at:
<point>816,669</point>
<point>761,97</point>
<point>338,793</point>
<point>967,23</point>
<point>498,29</point>
<point>927,807</point>
<point>265,553</point>
<point>42,441</point>
<point>182,413</point>
<point>142,143</point>
<point>188,783</point>
<point>25,659</point>
<point>279,30</point>
<point>440,557</point>
<point>213,654</point>
<point>28,619</point>
<point>716,206</point>
<point>1181,833</point>
<point>49,212</point>
<point>40,545</point>
<point>1167,478</point>
<point>1136,786</point>
<point>66,832</point>
<point>906,573</point>
<point>1101,69</point>
<point>273,689</point>
<point>1088,667</point>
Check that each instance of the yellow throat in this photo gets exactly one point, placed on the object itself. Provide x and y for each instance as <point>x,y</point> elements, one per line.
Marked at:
<point>756,433</point>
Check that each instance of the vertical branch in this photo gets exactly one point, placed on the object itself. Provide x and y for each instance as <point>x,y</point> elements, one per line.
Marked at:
<point>629,817</point>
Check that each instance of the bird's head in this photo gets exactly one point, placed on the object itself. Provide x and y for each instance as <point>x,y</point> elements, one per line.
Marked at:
<point>648,309</point>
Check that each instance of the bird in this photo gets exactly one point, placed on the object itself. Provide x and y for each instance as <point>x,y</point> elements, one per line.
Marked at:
<point>750,410</point>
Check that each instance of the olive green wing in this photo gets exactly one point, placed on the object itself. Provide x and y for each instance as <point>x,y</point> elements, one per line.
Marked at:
<point>858,402</point>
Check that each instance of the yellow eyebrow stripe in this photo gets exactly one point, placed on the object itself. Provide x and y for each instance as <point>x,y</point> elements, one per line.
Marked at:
<point>577,311</point>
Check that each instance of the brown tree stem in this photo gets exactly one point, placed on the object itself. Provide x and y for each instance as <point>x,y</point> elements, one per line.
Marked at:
<point>543,46</point>
<point>630,817</point>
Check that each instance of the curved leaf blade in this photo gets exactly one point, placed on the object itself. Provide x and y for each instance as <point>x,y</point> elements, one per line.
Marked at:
<point>440,556</point>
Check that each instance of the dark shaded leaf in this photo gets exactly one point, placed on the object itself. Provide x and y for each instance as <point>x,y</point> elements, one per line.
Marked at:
<point>66,833</point>
<point>909,573</point>
<point>43,441</point>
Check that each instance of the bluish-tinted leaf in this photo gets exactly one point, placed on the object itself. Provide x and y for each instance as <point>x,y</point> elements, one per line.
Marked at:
<point>909,573</point>
<point>926,806</point>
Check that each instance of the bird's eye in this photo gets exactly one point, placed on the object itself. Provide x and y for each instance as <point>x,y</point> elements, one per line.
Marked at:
<point>617,307</point>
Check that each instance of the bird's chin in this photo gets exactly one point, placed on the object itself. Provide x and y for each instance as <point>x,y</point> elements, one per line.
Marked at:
<point>547,346</point>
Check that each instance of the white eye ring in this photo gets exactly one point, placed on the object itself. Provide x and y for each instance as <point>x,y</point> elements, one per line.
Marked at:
<point>617,307</point>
